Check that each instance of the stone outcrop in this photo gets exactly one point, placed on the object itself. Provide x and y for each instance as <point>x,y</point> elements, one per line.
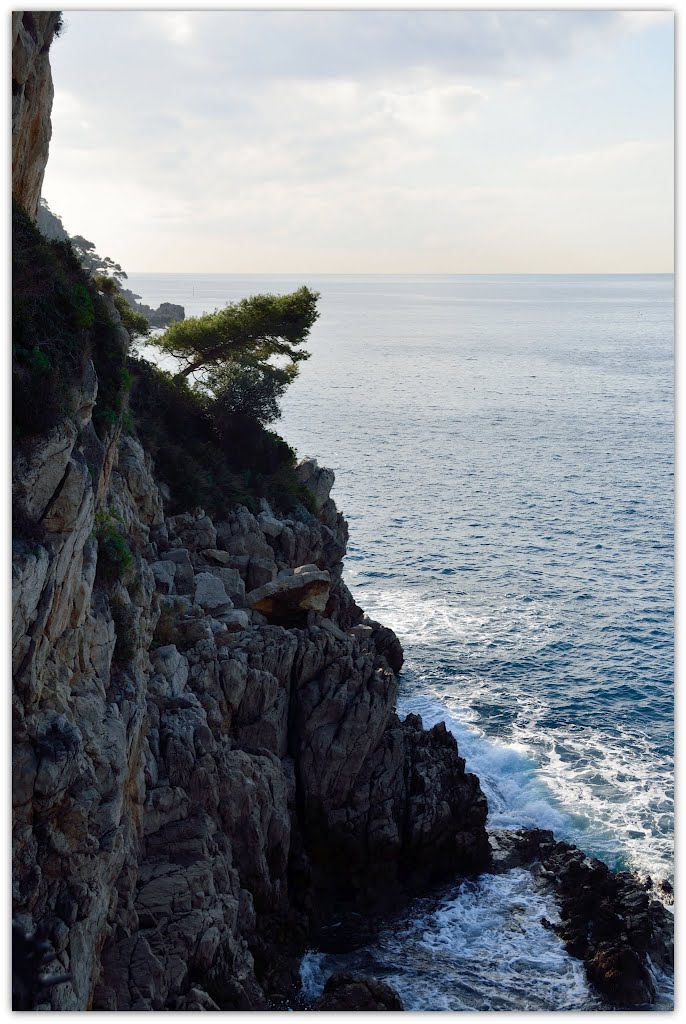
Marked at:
<point>32,93</point>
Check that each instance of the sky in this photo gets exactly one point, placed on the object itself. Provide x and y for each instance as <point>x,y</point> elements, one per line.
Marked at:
<point>367,141</point>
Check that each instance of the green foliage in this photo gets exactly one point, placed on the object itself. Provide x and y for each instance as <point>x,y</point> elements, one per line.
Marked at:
<point>135,323</point>
<point>204,462</point>
<point>115,560</point>
<point>250,331</point>
<point>92,262</point>
<point>83,304</point>
<point>106,285</point>
<point>247,392</point>
<point>58,323</point>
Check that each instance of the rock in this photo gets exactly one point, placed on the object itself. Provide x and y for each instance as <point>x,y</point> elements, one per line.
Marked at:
<point>233,584</point>
<point>213,555</point>
<point>236,620</point>
<point>39,468</point>
<point>196,532</point>
<point>184,572</point>
<point>608,919</point>
<point>260,572</point>
<point>270,525</point>
<point>32,93</point>
<point>284,599</point>
<point>163,571</point>
<point>357,992</point>
<point>318,480</point>
<point>210,593</point>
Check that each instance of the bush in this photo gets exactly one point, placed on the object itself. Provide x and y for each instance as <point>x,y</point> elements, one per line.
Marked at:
<point>135,323</point>
<point>59,322</point>
<point>204,462</point>
<point>115,560</point>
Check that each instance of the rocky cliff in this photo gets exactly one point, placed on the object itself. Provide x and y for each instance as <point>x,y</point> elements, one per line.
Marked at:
<point>200,785</point>
<point>208,770</point>
<point>32,34</point>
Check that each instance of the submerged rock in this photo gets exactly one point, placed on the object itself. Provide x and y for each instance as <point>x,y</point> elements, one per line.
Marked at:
<point>608,918</point>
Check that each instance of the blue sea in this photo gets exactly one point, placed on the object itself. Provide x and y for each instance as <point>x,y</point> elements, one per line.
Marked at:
<point>503,449</point>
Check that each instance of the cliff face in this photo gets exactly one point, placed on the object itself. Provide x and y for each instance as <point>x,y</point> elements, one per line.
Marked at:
<point>197,788</point>
<point>32,92</point>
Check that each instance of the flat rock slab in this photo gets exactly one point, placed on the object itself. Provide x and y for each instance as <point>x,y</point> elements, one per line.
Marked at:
<point>290,596</point>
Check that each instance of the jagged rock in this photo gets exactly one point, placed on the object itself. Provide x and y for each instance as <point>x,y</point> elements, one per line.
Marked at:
<point>261,571</point>
<point>236,619</point>
<point>210,593</point>
<point>164,572</point>
<point>608,918</point>
<point>195,532</point>
<point>183,572</point>
<point>39,468</point>
<point>270,525</point>
<point>32,93</point>
<point>318,480</point>
<point>68,505</point>
<point>357,992</point>
<point>232,582</point>
<point>212,555</point>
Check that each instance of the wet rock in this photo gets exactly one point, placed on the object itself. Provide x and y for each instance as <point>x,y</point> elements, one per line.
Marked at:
<point>357,992</point>
<point>608,918</point>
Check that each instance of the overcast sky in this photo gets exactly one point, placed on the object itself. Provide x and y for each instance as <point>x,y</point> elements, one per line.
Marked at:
<point>369,142</point>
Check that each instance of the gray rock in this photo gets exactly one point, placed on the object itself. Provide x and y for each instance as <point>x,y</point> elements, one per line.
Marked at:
<point>38,469</point>
<point>210,593</point>
<point>269,525</point>
<point>163,571</point>
<point>318,480</point>
<point>260,571</point>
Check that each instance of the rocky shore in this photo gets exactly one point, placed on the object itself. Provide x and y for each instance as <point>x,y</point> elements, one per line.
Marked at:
<point>200,784</point>
<point>209,774</point>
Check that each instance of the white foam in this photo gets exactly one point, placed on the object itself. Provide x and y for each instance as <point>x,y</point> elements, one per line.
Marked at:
<point>599,787</point>
<point>481,947</point>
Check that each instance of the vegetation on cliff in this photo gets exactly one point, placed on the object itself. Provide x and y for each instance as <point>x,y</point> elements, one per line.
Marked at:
<point>248,332</point>
<point>59,322</point>
<point>211,444</point>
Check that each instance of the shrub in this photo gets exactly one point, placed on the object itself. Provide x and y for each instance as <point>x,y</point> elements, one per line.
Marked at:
<point>59,322</point>
<point>115,560</point>
<point>205,462</point>
<point>135,323</point>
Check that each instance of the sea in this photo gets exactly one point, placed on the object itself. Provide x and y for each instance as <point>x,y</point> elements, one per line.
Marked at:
<point>504,455</point>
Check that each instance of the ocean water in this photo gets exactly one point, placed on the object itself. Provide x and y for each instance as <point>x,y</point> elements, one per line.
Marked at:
<point>503,448</point>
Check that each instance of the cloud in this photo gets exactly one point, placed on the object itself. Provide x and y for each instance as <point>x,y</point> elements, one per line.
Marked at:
<point>289,128</point>
<point>638,21</point>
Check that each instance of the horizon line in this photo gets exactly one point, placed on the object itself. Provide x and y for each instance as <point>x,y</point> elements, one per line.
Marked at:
<point>412,273</point>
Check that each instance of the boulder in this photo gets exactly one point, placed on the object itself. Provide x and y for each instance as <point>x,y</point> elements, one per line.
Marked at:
<point>210,593</point>
<point>291,596</point>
